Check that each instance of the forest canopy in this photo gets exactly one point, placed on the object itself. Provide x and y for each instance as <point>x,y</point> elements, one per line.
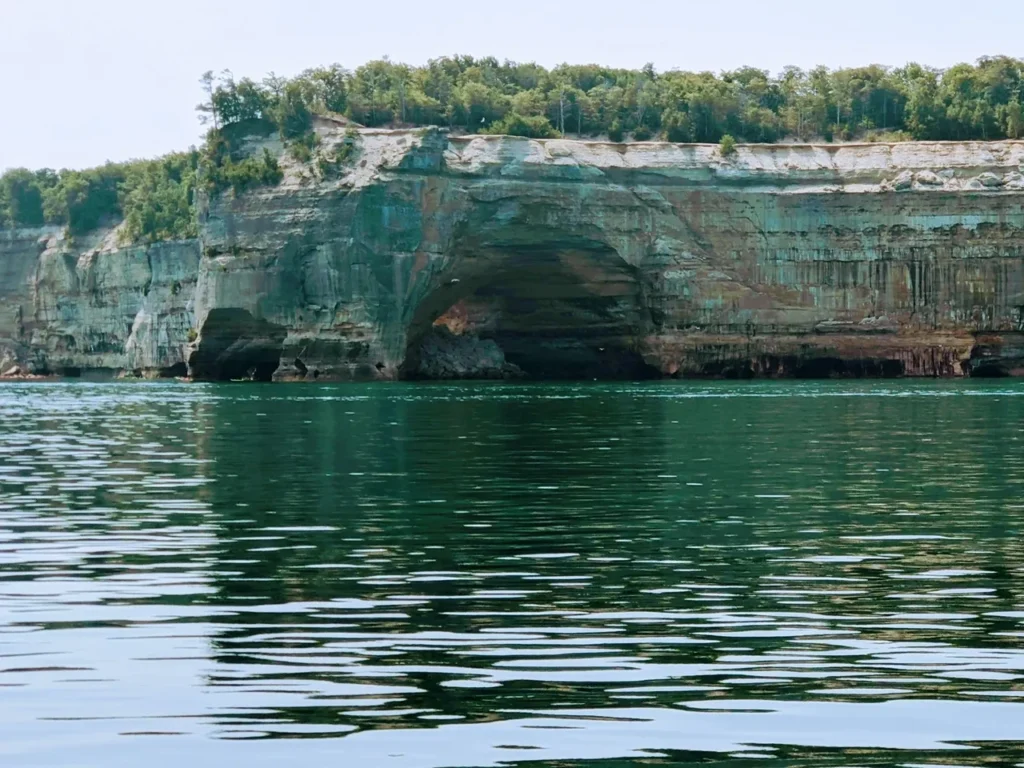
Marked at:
<point>155,198</point>
<point>981,101</point>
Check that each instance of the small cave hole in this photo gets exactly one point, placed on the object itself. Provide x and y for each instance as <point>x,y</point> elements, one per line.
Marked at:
<point>176,371</point>
<point>989,371</point>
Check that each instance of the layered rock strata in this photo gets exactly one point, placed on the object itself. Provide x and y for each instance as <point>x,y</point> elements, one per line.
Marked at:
<point>91,307</point>
<point>588,259</point>
<point>560,259</point>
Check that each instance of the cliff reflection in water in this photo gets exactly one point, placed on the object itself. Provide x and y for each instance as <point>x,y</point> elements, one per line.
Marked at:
<point>460,575</point>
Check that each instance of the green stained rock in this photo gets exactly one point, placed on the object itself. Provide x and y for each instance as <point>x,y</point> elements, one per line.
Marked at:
<point>576,259</point>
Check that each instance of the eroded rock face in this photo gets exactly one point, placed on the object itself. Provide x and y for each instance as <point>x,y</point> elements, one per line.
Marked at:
<point>90,306</point>
<point>589,259</point>
<point>571,259</point>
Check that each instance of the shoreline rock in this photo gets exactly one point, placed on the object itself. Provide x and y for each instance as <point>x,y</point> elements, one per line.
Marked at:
<point>574,258</point>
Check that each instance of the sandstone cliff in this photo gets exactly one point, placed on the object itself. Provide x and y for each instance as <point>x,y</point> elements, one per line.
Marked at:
<point>558,258</point>
<point>89,306</point>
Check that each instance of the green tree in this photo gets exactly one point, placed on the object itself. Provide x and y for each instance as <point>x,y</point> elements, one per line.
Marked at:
<point>22,197</point>
<point>293,115</point>
<point>208,109</point>
<point>369,95</point>
<point>330,87</point>
<point>84,199</point>
<point>1012,116</point>
<point>156,198</point>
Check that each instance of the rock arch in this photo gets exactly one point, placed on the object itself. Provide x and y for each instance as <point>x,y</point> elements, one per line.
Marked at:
<point>547,310</point>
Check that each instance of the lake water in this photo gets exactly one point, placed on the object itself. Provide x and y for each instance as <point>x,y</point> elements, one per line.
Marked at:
<point>435,576</point>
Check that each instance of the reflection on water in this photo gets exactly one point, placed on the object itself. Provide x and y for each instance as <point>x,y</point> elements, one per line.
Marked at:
<point>434,576</point>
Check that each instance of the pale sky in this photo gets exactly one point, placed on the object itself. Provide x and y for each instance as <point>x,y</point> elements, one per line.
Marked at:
<point>90,80</point>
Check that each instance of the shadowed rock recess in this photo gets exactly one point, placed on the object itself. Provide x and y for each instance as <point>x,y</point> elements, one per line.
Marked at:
<point>430,256</point>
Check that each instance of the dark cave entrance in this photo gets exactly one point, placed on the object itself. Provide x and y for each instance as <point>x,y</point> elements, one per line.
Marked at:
<point>533,314</point>
<point>235,346</point>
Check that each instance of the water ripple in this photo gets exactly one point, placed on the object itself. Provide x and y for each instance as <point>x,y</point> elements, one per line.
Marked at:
<point>467,575</point>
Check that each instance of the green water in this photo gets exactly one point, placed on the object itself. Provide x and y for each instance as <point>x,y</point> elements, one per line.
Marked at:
<point>439,576</point>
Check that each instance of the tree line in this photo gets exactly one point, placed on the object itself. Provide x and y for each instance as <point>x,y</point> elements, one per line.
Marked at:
<point>155,198</point>
<point>982,101</point>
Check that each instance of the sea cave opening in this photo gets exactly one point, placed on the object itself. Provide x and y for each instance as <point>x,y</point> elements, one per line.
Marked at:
<point>534,314</point>
<point>235,346</point>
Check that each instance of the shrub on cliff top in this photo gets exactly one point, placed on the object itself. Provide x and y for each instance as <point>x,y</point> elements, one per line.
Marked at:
<point>302,147</point>
<point>331,163</point>
<point>533,127</point>
<point>263,171</point>
<point>727,146</point>
<point>226,164</point>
